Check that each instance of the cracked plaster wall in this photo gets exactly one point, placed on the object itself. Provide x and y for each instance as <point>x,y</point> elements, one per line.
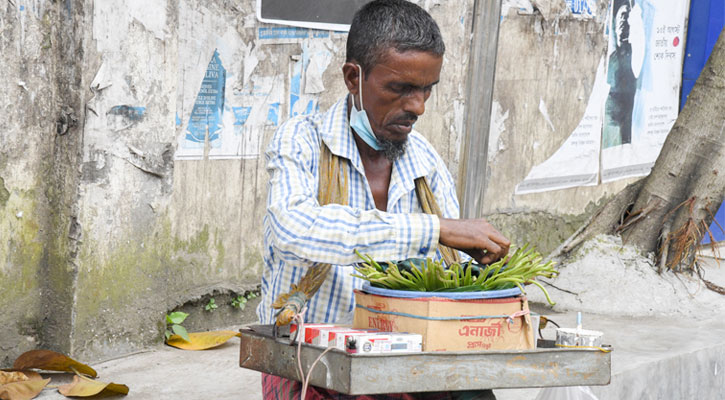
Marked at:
<point>103,228</point>
<point>40,49</point>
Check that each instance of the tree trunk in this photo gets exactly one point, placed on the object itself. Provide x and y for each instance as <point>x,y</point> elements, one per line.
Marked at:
<point>675,204</point>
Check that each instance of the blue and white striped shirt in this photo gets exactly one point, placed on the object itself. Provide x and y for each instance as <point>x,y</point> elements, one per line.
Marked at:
<point>298,232</point>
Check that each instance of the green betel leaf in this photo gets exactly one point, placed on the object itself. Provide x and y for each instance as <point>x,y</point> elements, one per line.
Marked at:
<point>181,331</point>
<point>176,317</point>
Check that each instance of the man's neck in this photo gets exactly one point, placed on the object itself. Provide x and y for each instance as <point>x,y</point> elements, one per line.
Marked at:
<point>367,153</point>
<point>378,170</point>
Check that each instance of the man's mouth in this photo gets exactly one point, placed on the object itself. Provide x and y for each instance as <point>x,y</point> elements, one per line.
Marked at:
<point>403,125</point>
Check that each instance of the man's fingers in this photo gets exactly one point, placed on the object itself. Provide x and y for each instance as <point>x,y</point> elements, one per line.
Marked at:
<point>488,258</point>
<point>492,248</point>
<point>497,237</point>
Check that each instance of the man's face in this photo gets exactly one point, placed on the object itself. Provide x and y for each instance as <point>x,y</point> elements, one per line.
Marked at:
<point>395,90</point>
<point>621,19</point>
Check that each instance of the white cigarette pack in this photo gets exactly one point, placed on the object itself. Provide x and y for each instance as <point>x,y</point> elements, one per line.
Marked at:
<point>302,335</point>
<point>384,342</point>
<point>338,338</point>
<point>321,337</point>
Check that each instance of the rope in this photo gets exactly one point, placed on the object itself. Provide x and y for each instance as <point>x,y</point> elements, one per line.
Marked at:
<point>304,378</point>
<point>430,206</point>
<point>510,318</point>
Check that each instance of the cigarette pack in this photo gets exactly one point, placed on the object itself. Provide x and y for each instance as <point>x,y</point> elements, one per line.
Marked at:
<point>338,338</point>
<point>384,342</point>
<point>302,336</point>
<point>321,336</point>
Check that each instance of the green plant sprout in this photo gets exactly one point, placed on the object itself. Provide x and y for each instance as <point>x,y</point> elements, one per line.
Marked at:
<point>173,325</point>
<point>211,305</point>
<point>240,301</point>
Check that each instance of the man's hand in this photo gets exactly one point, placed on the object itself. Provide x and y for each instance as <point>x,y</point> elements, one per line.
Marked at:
<point>476,237</point>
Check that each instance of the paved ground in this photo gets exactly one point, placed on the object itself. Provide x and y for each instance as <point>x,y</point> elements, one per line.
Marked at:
<point>659,358</point>
<point>169,373</point>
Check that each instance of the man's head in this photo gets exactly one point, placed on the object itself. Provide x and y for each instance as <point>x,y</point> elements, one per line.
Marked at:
<point>397,49</point>
<point>620,21</point>
<point>391,24</point>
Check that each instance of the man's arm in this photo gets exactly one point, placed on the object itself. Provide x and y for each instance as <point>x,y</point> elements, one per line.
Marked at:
<point>302,229</point>
<point>475,237</point>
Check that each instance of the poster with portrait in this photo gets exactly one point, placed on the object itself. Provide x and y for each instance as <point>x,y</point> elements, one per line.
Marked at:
<point>644,73</point>
<point>632,105</point>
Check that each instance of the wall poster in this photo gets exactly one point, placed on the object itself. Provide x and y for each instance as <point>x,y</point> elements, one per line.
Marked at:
<point>633,104</point>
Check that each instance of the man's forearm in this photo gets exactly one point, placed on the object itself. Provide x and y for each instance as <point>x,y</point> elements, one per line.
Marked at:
<point>331,234</point>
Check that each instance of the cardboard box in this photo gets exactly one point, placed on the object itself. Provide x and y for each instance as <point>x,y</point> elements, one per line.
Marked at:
<point>422,315</point>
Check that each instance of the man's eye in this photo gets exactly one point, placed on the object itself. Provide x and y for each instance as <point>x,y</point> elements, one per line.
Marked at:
<point>401,89</point>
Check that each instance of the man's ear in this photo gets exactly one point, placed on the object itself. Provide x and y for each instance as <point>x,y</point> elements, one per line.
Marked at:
<point>351,75</point>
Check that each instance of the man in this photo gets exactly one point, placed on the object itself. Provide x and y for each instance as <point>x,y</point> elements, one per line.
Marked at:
<point>393,61</point>
<point>623,84</point>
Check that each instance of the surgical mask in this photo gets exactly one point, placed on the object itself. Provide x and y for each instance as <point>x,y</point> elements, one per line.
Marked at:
<point>359,120</point>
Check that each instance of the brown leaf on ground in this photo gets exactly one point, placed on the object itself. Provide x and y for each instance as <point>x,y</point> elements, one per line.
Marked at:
<point>22,390</point>
<point>23,374</point>
<point>52,361</point>
<point>12,376</point>
<point>202,340</point>
<point>87,387</point>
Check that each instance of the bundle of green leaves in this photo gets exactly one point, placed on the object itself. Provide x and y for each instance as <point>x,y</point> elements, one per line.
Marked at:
<point>517,269</point>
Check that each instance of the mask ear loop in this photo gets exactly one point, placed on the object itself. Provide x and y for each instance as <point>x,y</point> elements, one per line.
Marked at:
<point>359,84</point>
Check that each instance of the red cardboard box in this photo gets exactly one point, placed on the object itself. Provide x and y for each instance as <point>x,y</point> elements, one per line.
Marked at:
<point>428,317</point>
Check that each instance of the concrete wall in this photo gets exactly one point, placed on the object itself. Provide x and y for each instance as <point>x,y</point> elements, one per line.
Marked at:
<point>103,226</point>
<point>41,56</point>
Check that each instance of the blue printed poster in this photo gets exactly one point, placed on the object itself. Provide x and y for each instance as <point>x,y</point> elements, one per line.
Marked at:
<point>207,114</point>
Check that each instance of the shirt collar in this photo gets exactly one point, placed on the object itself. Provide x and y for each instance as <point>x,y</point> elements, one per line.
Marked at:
<point>339,139</point>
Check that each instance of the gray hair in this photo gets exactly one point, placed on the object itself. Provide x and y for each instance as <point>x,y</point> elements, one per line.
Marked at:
<point>391,24</point>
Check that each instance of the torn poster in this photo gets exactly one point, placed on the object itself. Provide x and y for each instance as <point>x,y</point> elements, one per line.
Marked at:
<point>288,34</point>
<point>633,104</point>
<point>582,8</point>
<point>229,120</point>
<point>644,74</point>
<point>256,108</point>
<point>576,162</point>
<point>207,113</point>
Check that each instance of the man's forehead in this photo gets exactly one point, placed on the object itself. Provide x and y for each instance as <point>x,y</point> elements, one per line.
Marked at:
<point>419,66</point>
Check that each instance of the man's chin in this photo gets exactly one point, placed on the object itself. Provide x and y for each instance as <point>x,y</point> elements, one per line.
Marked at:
<point>393,150</point>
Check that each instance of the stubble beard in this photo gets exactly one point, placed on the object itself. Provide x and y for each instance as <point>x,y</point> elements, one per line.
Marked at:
<point>392,150</point>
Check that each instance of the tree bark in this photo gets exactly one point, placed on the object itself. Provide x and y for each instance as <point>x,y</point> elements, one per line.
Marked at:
<point>676,203</point>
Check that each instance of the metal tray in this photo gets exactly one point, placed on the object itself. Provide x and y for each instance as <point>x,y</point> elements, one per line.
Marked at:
<point>357,374</point>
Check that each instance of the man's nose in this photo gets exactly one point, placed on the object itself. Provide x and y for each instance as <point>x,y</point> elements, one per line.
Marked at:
<point>415,102</point>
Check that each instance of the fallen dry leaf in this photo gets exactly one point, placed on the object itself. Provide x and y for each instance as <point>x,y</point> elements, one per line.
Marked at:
<point>12,376</point>
<point>202,340</point>
<point>87,387</point>
<point>52,361</point>
<point>23,374</point>
<point>22,390</point>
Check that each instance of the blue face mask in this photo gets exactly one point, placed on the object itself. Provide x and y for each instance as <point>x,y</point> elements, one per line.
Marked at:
<point>359,120</point>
